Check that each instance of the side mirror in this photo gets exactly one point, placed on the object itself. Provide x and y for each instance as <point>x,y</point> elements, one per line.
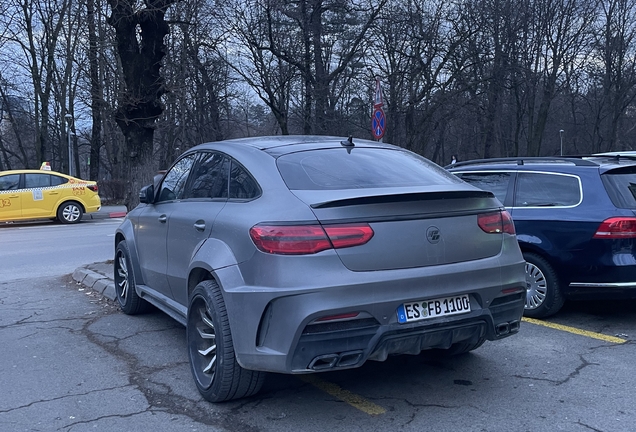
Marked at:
<point>147,194</point>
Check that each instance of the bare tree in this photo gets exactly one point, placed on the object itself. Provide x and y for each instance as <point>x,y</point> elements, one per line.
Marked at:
<point>140,29</point>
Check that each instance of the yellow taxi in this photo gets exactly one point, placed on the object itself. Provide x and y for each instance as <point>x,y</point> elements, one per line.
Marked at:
<point>37,194</point>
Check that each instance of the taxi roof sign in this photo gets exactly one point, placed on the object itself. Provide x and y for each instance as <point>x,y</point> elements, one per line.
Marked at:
<point>46,166</point>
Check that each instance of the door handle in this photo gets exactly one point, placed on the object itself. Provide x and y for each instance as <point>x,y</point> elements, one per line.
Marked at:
<point>163,218</point>
<point>199,225</point>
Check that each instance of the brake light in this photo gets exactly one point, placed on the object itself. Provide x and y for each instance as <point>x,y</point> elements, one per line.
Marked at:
<point>496,222</point>
<point>308,239</point>
<point>93,187</point>
<point>617,228</point>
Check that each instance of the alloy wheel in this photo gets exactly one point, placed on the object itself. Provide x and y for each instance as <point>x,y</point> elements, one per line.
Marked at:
<point>203,340</point>
<point>122,273</point>
<point>537,286</point>
<point>71,213</point>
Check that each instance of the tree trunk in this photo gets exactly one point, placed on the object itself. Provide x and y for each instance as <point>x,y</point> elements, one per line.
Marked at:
<point>96,93</point>
<point>140,36</point>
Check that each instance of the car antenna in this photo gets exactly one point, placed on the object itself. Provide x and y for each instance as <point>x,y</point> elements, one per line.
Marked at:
<point>348,142</point>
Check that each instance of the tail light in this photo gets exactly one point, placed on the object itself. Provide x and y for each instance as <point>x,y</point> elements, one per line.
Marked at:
<point>617,228</point>
<point>93,187</point>
<point>308,239</point>
<point>496,222</point>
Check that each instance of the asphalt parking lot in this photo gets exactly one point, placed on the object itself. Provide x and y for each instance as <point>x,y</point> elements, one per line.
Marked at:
<point>571,372</point>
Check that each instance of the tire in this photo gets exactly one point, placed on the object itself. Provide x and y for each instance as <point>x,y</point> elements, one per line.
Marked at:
<point>217,374</point>
<point>70,212</point>
<point>129,301</point>
<point>543,296</point>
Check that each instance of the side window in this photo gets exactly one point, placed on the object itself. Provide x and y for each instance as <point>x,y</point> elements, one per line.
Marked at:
<point>173,184</point>
<point>37,181</point>
<point>57,180</point>
<point>210,177</point>
<point>495,182</point>
<point>242,185</point>
<point>9,182</point>
<point>547,190</point>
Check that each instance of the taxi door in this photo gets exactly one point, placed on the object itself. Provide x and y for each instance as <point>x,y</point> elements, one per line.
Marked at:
<point>39,199</point>
<point>10,205</point>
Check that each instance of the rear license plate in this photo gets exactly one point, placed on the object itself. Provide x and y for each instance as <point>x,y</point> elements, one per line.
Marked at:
<point>409,312</point>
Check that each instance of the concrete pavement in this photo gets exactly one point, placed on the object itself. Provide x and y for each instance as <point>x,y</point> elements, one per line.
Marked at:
<point>111,211</point>
<point>99,276</point>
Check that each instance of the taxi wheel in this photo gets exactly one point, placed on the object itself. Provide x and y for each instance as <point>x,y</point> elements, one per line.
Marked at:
<point>70,212</point>
<point>129,301</point>
<point>216,372</point>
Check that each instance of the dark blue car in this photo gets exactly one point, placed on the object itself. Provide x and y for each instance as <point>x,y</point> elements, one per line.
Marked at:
<point>575,220</point>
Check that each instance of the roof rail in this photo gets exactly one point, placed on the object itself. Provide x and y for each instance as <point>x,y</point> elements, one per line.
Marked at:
<point>522,160</point>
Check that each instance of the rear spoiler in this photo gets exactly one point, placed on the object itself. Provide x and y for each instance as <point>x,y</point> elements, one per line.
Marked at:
<point>402,197</point>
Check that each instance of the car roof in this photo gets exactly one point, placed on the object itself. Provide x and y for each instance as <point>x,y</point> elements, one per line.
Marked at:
<point>33,171</point>
<point>282,144</point>
<point>37,171</point>
<point>554,163</point>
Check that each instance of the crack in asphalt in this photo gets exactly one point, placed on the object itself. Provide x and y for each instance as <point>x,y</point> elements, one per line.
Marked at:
<point>577,371</point>
<point>61,398</point>
<point>197,410</point>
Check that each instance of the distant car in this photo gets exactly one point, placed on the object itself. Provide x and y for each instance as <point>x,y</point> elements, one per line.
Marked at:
<point>308,254</point>
<point>575,220</point>
<point>36,194</point>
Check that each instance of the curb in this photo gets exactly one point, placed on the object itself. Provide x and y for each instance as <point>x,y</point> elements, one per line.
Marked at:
<point>96,281</point>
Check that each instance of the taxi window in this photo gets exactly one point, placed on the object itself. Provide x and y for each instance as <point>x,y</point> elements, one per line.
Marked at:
<point>9,182</point>
<point>57,180</point>
<point>37,180</point>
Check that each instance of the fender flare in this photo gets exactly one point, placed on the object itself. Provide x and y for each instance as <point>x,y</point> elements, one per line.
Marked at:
<point>125,232</point>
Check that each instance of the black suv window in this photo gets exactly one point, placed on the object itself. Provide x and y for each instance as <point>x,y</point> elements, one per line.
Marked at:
<point>210,177</point>
<point>173,184</point>
<point>242,185</point>
<point>495,182</point>
<point>545,190</point>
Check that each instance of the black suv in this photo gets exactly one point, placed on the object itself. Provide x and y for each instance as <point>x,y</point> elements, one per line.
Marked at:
<point>575,219</point>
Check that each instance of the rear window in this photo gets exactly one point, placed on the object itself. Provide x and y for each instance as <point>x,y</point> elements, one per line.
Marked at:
<point>547,190</point>
<point>621,188</point>
<point>495,182</point>
<point>360,168</point>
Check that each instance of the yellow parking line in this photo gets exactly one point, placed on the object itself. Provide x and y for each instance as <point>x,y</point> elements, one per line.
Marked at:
<point>336,391</point>
<point>575,330</point>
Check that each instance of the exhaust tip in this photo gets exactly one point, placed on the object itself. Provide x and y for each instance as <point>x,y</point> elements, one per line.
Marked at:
<point>502,329</point>
<point>322,362</point>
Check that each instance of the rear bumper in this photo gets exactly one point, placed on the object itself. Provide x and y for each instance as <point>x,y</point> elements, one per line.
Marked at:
<point>351,348</point>
<point>274,329</point>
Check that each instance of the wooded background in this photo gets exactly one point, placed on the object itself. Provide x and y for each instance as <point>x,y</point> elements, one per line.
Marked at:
<point>136,83</point>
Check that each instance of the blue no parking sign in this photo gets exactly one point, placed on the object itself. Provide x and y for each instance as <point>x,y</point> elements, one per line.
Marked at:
<point>378,122</point>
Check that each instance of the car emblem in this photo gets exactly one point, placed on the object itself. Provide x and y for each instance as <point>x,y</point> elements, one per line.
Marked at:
<point>433,234</point>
